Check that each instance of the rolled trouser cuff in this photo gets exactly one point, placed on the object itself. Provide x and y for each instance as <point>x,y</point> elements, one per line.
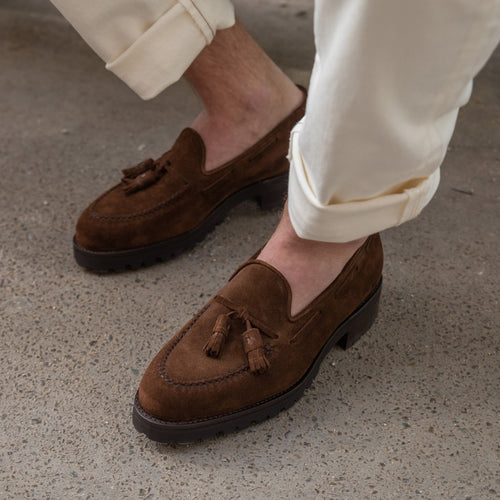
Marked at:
<point>347,221</point>
<point>161,55</point>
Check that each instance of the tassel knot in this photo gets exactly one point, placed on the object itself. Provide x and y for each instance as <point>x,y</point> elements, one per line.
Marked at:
<point>253,344</point>
<point>144,180</point>
<point>220,333</point>
<point>133,172</point>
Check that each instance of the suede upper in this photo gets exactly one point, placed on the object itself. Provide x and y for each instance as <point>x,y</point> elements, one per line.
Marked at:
<point>161,199</point>
<point>183,384</point>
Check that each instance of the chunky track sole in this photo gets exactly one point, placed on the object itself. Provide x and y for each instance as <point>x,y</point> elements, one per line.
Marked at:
<point>269,193</point>
<point>349,332</point>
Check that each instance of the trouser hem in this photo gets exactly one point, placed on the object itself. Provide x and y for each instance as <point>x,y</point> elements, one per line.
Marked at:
<point>343,222</point>
<point>162,54</point>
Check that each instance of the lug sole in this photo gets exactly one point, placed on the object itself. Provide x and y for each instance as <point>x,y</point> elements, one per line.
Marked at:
<point>269,193</point>
<point>349,332</point>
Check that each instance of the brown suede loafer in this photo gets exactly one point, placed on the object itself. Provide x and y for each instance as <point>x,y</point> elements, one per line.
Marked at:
<point>164,207</point>
<point>243,357</point>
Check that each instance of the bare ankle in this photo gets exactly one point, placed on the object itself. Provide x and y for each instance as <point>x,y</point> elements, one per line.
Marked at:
<point>309,266</point>
<point>243,92</point>
<point>228,130</point>
<point>233,72</point>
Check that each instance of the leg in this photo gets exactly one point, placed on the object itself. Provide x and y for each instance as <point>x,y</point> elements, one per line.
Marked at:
<point>309,266</point>
<point>244,93</point>
<point>164,206</point>
<point>388,81</point>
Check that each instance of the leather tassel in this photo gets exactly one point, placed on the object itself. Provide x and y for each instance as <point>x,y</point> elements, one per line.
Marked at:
<point>216,342</point>
<point>254,349</point>
<point>257,361</point>
<point>133,172</point>
<point>143,180</point>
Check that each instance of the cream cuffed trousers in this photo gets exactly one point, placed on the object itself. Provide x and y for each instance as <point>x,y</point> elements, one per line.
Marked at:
<point>388,80</point>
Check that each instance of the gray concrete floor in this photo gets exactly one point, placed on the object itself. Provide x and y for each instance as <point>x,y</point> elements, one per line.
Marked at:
<point>410,412</point>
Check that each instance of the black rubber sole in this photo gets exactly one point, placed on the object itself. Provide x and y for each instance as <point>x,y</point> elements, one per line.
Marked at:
<point>269,193</point>
<point>349,332</point>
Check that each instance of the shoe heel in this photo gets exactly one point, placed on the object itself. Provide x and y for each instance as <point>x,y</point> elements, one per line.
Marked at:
<point>272,192</point>
<point>361,321</point>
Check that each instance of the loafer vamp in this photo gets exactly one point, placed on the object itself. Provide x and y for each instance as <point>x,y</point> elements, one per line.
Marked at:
<point>117,204</point>
<point>183,384</point>
<point>117,221</point>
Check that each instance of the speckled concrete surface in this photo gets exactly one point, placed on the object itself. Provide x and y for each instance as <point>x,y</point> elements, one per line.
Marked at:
<point>410,412</point>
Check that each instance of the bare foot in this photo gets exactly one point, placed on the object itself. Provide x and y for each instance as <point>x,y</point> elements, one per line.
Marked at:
<point>245,95</point>
<point>226,137</point>
<point>309,266</point>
